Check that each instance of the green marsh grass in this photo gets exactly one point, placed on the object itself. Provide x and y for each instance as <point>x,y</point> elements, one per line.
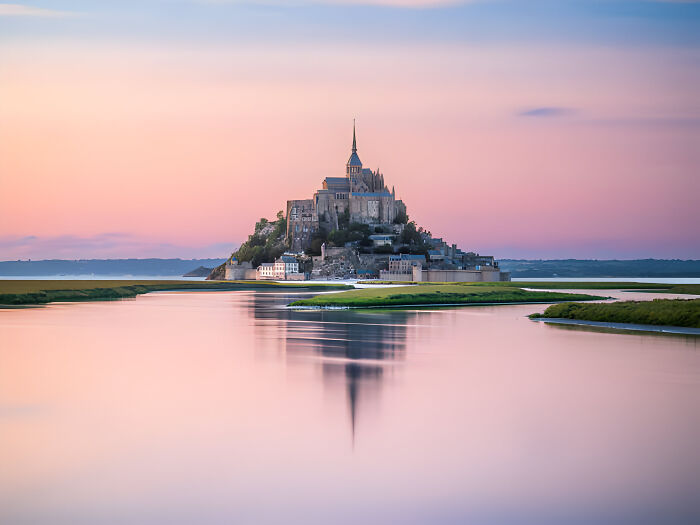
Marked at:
<point>27,292</point>
<point>659,312</point>
<point>427,294</point>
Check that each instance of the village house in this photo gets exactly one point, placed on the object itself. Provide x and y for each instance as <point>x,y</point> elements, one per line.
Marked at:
<point>266,271</point>
<point>285,268</point>
<point>404,263</point>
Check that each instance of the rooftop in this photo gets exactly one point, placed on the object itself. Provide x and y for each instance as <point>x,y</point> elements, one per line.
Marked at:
<point>375,194</point>
<point>407,257</point>
<point>336,180</point>
<point>354,160</point>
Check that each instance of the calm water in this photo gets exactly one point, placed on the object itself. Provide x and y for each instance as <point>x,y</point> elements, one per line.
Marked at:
<point>100,277</point>
<point>224,407</point>
<point>666,280</point>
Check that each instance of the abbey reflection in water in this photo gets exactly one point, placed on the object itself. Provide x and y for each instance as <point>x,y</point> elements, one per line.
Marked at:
<point>360,347</point>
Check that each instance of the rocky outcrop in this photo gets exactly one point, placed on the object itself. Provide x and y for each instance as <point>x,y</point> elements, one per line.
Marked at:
<point>347,263</point>
<point>218,273</point>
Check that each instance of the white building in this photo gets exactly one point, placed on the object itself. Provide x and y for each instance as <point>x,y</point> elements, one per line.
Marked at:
<point>382,239</point>
<point>266,271</point>
<point>284,268</point>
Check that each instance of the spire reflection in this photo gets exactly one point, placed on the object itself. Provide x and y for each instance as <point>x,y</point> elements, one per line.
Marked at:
<point>354,347</point>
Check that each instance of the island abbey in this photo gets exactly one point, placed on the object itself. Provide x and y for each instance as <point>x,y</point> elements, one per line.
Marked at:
<point>361,196</point>
<point>354,226</point>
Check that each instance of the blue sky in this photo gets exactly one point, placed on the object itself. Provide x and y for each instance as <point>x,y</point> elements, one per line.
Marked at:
<point>602,22</point>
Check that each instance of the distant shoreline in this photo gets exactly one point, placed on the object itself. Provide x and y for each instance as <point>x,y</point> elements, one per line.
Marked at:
<point>531,269</point>
<point>15,292</point>
<point>622,326</point>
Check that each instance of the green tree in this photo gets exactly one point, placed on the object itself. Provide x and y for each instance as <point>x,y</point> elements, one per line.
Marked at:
<point>344,219</point>
<point>384,249</point>
<point>401,217</point>
<point>316,241</point>
<point>338,237</point>
<point>264,246</point>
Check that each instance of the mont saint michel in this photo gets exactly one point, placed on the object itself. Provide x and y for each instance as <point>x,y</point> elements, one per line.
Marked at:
<point>224,301</point>
<point>353,227</point>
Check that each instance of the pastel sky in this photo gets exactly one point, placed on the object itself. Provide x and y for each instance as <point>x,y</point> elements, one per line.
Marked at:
<point>534,129</point>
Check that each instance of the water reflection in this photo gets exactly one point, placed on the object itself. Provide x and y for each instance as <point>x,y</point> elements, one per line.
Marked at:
<point>224,407</point>
<point>355,348</point>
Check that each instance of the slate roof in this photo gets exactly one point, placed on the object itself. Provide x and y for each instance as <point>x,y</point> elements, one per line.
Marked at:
<point>337,183</point>
<point>381,237</point>
<point>382,194</point>
<point>354,160</point>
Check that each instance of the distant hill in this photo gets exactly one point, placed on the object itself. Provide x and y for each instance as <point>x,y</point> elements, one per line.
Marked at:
<point>106,267</point>
<point>519,268</point>
<point>202,271</point>
<point>601,268</point>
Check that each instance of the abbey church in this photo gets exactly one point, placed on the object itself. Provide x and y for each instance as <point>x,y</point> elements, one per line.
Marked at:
<point>361,196</point>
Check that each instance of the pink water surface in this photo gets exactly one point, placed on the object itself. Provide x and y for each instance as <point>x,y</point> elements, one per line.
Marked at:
<point>225,407</point>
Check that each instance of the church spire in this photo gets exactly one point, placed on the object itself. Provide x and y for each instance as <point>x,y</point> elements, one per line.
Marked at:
<point>354,165</point>
<point>354,140</point>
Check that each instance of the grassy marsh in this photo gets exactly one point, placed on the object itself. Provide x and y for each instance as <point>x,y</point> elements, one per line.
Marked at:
<point>570,285</point>
<point>659,312</point>
<point>27,292</point>
<point>427,294</point>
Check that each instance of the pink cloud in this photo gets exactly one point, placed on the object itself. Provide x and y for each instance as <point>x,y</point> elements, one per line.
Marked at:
<point>25,10</point>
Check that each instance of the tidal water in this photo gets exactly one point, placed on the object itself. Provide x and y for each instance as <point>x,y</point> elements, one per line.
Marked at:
<point>664,280</point>
<point>226,407</point>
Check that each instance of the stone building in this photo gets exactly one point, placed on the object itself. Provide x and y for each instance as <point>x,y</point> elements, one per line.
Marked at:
<point>360,196</point>
<point>239,271</point>
<point>404,263</point>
